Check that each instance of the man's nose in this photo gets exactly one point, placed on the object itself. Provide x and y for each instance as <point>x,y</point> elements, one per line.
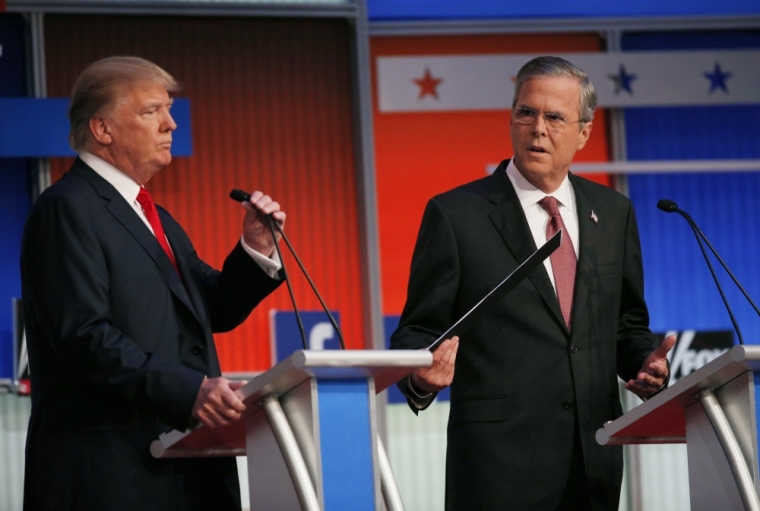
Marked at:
<point>539,125</point>
<point>168,122</point>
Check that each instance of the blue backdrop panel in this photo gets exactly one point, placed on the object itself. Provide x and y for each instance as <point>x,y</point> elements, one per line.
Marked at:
<point>316,325</point>
<point>346,444</point>
<point>457,9</point>
<point>14,197</point>
<point>39,128</point>
<point>679,290</point>
<point>14,187</point>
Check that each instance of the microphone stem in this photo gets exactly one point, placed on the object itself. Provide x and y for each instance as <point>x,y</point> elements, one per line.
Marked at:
<point>287,281</point>
<point>725,267</point>
<point>306,274</point>
<point>712,272</point>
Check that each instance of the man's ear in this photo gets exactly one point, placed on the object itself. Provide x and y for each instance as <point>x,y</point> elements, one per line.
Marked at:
<point>100,130</point>
<point>583,135</point>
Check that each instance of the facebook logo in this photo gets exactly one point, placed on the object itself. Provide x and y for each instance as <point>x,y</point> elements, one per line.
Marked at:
<point>286,338</point>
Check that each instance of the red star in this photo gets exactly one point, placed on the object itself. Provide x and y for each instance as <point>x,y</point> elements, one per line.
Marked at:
<point>428,85</point>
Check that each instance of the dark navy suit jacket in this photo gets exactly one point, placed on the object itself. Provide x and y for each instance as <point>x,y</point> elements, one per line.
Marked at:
<point>520,376</point>
<point>119,344</point>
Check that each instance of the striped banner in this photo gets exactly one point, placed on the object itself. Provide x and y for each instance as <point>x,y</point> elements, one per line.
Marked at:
<point>630,79</point>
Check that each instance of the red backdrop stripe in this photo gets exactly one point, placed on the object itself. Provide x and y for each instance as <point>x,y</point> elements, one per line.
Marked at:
<point>271,110</point>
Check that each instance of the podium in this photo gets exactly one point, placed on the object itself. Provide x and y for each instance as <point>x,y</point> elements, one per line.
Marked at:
<point>309,432</point>
<point>714,411</point>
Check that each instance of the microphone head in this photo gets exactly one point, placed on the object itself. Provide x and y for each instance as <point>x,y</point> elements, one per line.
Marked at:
<point>239,195</point>
<point>667,205</point>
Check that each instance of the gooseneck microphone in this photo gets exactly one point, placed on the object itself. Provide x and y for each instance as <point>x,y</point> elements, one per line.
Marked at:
<point>241,196</point>
<point>671,207</point>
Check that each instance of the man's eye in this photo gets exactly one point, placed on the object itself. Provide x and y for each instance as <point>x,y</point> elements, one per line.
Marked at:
<point>524,112</point>
<point>554,118</point>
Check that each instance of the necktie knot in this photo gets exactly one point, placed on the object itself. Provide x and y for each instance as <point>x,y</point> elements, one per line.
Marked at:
<point>145,200</point>
<point>151,214</point>
<point>550,205</point>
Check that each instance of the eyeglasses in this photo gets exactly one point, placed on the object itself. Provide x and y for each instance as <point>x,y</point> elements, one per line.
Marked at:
<point>554,122</point>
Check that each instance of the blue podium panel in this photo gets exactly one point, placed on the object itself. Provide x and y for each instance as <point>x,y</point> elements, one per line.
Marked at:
<point>346,438</point>
<point>39,128</point>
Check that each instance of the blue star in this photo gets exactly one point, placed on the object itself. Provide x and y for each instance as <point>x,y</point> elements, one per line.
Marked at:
<point>623,80</point>
<point>718,79</point>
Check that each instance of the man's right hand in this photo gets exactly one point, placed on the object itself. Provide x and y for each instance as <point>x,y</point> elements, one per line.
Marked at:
<point>218,403</point>
<point>439,375</point>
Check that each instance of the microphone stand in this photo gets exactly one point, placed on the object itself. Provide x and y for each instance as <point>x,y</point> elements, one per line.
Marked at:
<point>670,207</point>
<point>242,196</point>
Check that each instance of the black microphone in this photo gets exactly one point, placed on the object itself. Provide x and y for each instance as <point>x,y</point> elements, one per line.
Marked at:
<point>242,196</point>
<point>671,207</point>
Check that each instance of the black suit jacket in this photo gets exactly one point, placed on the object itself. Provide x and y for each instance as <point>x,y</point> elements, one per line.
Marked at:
<point>520,376</point>
<point>118,346</point>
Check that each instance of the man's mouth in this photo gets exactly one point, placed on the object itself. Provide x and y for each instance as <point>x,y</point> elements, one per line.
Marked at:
<point>536,149</point>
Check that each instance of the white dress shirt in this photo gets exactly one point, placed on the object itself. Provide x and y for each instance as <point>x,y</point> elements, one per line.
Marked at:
<point>529,197</point>
<point>129,188</point>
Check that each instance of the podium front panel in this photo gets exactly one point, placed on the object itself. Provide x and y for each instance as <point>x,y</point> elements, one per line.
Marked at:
<point>269,482</point>
<point>347,445</point>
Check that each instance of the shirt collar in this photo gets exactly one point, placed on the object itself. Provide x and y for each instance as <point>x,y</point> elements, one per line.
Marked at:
<point>528,195</point>
<point>125,185</point>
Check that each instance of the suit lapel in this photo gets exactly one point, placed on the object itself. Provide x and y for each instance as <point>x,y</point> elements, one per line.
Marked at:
<point>124,213</point>
<point>194,294</point>
<point>509,219</point>
<point>588,238</point>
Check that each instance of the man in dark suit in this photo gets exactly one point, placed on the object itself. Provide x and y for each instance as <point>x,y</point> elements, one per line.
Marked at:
<point>536,377</point>
<point>120,312</point>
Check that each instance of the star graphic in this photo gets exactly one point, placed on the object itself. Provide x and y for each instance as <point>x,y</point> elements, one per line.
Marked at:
<point>428,85</point>
<point>718,79</point>
<point>623,80</point>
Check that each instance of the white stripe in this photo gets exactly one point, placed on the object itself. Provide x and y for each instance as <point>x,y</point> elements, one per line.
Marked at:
<point>653,167</point>
<point>485,82</point>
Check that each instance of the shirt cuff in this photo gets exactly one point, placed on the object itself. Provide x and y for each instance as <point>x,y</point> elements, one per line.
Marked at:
<point>270,265</point>
<point>416,398</point>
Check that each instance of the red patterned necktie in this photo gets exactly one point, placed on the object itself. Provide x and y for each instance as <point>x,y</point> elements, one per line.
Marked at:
<point>151,213</point>
<point>563,259</point>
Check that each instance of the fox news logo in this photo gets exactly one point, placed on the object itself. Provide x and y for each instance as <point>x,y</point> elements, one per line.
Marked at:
<point>695,349</point>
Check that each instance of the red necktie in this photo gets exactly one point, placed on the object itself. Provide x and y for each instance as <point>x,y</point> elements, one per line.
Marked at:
<point>563,259</point>
<point>151,213</point>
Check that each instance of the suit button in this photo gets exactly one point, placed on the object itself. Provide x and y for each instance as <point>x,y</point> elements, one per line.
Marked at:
<point>196,350</point>
<point>568,404</point>
<point>574,349</point>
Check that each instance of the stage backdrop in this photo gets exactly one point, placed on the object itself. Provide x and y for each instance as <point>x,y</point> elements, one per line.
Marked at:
<point>271,110</point>
<point>14,188</point>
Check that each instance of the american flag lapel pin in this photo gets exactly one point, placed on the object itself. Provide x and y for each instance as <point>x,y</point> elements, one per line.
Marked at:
<point>594,217</point>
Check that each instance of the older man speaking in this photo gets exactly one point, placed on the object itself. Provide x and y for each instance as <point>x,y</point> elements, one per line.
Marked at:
<point>532,382</point>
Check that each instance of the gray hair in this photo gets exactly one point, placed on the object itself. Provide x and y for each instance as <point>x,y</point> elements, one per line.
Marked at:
<point>555,67</point>
<point>99,86</point>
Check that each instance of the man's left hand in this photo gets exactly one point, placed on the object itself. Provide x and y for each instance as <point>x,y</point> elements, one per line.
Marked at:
<point>256,231</point>
<point>654,370</point>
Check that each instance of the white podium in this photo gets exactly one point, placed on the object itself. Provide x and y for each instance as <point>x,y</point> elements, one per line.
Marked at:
<point>715,412</point>
<point>310,432</point>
